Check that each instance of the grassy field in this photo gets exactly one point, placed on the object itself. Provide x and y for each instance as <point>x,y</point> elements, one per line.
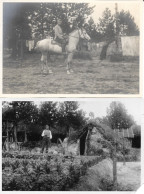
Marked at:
<point>129,175</point>
<point>89,77</point>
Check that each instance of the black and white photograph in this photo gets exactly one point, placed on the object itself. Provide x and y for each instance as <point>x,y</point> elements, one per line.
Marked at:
<point>71,145</point>
<point>85,48</point>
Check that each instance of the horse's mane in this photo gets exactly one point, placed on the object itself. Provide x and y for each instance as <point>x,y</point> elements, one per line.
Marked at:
<point>73,31</point>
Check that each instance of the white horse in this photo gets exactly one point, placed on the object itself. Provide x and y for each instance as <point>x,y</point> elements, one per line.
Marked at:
<point>46,47</point>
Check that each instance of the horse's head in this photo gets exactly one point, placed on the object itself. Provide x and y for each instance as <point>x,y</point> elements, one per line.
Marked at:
<point>83,34</point>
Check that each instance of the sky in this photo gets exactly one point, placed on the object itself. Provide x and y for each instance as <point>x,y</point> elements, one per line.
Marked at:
<point>132,7</point>
<point>99,106</point>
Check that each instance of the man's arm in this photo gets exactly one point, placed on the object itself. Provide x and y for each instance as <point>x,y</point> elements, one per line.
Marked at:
<point>50,135</point>
<point>42,133</point>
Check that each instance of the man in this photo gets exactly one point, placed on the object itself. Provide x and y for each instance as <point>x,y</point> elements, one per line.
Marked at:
<point>47,136</point>
<point>59,35</point>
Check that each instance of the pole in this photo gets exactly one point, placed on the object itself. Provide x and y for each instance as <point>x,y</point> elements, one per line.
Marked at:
<point>115,165</point>
<point>114,170</point>
<point>124,162</point>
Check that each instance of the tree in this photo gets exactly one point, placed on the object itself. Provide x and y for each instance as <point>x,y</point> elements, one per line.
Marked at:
<point>71,116</point>
<point>127,25</point>
<point>117,116</point>
<point>106,25</point>
<point>43,19</point>
<point>20,111</point>
<point>48,113</point>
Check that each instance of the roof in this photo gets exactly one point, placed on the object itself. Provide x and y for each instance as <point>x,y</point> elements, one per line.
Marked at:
<point>124,133</point>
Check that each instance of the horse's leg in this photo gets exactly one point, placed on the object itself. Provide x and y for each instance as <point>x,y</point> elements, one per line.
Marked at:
<point>48,68</point>
<point>69,60</point>
<point>67,65</point>
<point>42,64</point>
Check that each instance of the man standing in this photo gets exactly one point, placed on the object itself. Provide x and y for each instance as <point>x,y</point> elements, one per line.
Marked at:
<point>47,136</point>
<point>59,35</point>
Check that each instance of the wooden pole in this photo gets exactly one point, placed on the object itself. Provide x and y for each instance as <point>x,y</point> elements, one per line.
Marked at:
<point>115,164</point>
<point>114,169</point>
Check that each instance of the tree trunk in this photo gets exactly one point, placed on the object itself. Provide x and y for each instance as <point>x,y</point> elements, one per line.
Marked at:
<point>25,139</point>
<point>15,136</point>
<point>8,146</point>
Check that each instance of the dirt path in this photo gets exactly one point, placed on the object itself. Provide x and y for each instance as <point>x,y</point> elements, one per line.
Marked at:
<point>129,175</point>
<point>89,77</point>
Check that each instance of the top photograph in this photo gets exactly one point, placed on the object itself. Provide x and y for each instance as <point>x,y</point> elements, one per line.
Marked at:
<point>68,48</point>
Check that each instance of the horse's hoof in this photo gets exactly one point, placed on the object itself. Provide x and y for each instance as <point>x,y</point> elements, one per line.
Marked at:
<point>68,72</point>
<point>50,71</point>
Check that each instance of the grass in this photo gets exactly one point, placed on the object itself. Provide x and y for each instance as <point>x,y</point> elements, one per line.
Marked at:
<point>89,77</point>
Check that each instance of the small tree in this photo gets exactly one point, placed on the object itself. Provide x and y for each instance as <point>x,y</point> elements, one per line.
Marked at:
<point>117,116</point>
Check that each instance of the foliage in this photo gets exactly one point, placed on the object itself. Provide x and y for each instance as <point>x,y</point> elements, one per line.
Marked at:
<point>38,19</point>
<point>106,25</point>
<point>136,130</point>
<point>117,116</point>
<point>48,113</point>
<point>21,111</point>
<point>127,25</point>
<point>70,115</point>
<point>60,116</point>
<point>43,173</point>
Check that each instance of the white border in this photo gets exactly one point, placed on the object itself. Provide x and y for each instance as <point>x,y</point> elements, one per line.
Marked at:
<point>85,99</point>
<point>80,95</point>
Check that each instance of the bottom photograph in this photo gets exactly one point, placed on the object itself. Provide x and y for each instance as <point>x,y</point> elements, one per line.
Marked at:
<point>71,144</point>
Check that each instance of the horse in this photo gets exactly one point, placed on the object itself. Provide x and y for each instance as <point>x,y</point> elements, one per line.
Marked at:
<point>47,48</point>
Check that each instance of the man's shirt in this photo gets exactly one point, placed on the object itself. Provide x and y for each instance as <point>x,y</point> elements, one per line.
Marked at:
<point>58,32</point>
<point>47,133</point>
